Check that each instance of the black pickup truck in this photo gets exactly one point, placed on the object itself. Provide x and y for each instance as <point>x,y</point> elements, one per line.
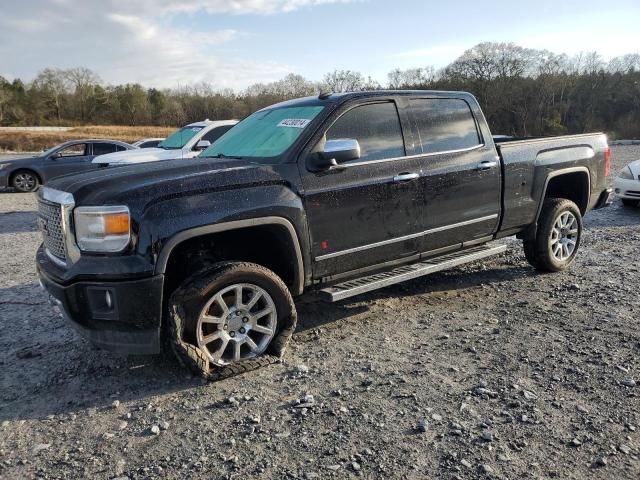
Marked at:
<point>336,195</point>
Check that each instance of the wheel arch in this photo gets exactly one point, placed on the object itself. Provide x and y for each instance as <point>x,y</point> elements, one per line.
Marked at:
<point>26,169</point>
<point>284,226</point>
<point>562,183</point>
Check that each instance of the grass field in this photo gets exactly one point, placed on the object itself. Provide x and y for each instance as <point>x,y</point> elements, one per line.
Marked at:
<point>21,140</point>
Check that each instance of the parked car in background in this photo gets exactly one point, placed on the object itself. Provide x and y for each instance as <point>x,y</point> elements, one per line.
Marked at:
<point>337,195</point>
<point>187,142</point>
<point>627,184</point>
<point>26,174</point>
<point>147,142</point>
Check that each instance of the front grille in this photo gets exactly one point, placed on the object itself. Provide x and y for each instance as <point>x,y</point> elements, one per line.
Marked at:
<point>632,193</point>
<point>50,222</point>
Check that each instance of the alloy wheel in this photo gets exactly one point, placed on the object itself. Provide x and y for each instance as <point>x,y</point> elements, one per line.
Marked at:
<point>237,323</point>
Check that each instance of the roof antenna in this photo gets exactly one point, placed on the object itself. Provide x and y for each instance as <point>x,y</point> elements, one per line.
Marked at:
<point>324,94</point>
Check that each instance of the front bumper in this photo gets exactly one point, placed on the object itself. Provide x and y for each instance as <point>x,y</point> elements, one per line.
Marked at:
<point>627,189</point>
<point>120,316</point>
<point>4,179</point>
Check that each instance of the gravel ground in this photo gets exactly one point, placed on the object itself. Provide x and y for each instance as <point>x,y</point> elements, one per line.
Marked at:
<point>490,370</point>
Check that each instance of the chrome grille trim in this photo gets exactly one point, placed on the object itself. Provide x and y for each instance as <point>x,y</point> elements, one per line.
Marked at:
<point>56,206</point>
<point>50,223</point>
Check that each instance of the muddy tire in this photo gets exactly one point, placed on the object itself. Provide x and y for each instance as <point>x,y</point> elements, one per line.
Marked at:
<point>558,237</point>
<point>229,319</point>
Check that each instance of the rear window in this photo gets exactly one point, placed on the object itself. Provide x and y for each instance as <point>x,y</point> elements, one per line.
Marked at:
<point>444,124</point>
<point>103,148</point>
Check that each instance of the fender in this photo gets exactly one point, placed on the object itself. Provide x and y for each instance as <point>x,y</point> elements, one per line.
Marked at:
<point>165,253</point>
<point>533,228</point>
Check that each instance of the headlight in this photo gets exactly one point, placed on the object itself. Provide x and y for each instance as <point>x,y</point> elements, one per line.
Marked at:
<point>4,165</point>
<point>102,229</point>
<point>626,174</point>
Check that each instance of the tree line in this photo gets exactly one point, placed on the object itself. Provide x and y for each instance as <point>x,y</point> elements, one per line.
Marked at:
<point>523,92</point>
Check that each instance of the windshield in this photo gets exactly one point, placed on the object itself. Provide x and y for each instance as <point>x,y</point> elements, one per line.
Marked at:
<point>179,138</point>
<point>266,133</point>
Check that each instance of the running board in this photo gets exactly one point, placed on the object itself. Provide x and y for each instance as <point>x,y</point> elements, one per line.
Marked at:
<point>407,272</point>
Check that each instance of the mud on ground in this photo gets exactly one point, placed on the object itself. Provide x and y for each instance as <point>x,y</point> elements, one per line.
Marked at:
<point>490,370</point>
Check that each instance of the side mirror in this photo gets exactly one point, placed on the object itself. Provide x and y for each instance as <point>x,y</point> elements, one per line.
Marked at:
<point>203,144</point>
<point>341,150</point>
<point>54,156</point>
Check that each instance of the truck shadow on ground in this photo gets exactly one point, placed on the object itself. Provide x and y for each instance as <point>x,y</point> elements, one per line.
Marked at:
<point>50,370</point>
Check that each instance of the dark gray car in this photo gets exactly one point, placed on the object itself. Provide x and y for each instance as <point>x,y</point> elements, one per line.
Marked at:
<point>26,174</point>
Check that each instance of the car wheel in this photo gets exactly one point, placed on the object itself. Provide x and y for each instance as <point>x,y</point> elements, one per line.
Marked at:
<point>629,203</point>
<point>558,237</point>
<point>231,318</point>
<point>25,181</point>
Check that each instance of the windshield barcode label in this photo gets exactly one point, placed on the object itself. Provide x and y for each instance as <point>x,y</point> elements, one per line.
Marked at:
<point>294,122</point>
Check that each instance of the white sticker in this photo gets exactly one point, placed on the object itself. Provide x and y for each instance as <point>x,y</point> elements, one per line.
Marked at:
<point>294,122</point>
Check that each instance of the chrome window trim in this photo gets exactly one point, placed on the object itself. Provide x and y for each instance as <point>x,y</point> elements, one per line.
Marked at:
<point>409,157</point>
<point>405,237</point>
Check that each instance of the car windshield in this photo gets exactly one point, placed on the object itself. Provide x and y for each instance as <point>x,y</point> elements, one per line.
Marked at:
<point>179,139</point>
<point>266,133</point>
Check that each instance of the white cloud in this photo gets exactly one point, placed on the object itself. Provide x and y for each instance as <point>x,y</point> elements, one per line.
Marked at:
<point>128,41</point>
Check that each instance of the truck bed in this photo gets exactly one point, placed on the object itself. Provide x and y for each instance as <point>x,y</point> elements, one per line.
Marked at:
<point>527,164</point>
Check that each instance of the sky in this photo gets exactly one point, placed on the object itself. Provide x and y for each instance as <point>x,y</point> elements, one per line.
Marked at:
<point>235,43</point>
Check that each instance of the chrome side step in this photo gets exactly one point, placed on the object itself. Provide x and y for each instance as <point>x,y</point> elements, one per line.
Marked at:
<point>407,272</point>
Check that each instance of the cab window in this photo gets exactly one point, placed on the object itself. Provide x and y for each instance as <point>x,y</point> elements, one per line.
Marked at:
<point>375,126</point>
<point>444,124</point>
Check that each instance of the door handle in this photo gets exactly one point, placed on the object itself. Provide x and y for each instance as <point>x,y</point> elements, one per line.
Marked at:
<point>486,165</point>
<point>405,177</point>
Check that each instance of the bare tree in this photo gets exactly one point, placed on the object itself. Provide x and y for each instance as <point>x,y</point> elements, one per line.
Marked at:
<point>53,84</point>
<point>82,80</point>
<point>343,81</point>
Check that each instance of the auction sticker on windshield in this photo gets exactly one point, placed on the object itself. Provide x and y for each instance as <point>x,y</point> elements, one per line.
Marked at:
<point>294,122</point>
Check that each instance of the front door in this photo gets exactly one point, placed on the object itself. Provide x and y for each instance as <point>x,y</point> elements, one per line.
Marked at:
<point>365,213</point>
<point>70,159</point>
<point>460,176</point>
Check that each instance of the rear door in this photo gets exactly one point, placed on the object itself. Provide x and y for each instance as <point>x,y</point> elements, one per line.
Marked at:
<point>364,214</point>
<point>460,176</point>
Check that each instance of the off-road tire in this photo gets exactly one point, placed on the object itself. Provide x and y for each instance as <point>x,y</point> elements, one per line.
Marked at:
<point>187,301</point>
<point>629,203</point>
<point>18,181</point>
<point>538,251</point>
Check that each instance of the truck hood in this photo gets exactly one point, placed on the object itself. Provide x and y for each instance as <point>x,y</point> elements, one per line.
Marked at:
<point>142,155</point>
<point>140,185</point>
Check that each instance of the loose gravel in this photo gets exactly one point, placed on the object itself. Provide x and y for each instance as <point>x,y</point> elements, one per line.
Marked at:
<point>487,371</point>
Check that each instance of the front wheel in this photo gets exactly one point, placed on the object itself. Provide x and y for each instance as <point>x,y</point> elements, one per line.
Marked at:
<point>558,237</point>
<point>629,203</point>
<point>230,318</point>
<point>24,181</point>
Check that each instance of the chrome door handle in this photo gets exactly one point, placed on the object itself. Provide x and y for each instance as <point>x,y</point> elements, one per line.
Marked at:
<point>486,165</point>
<point>405,177</point>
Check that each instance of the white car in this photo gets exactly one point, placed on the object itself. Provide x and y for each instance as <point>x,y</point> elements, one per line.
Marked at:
<point>187,142</point>
<point>627,184</point>
<point>147,142</point>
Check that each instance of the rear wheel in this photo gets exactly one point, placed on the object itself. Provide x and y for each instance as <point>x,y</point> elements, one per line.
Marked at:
<point>629,203</point>
<point>558,237</point>
<point>231,318</point>
<point>25,181</point>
